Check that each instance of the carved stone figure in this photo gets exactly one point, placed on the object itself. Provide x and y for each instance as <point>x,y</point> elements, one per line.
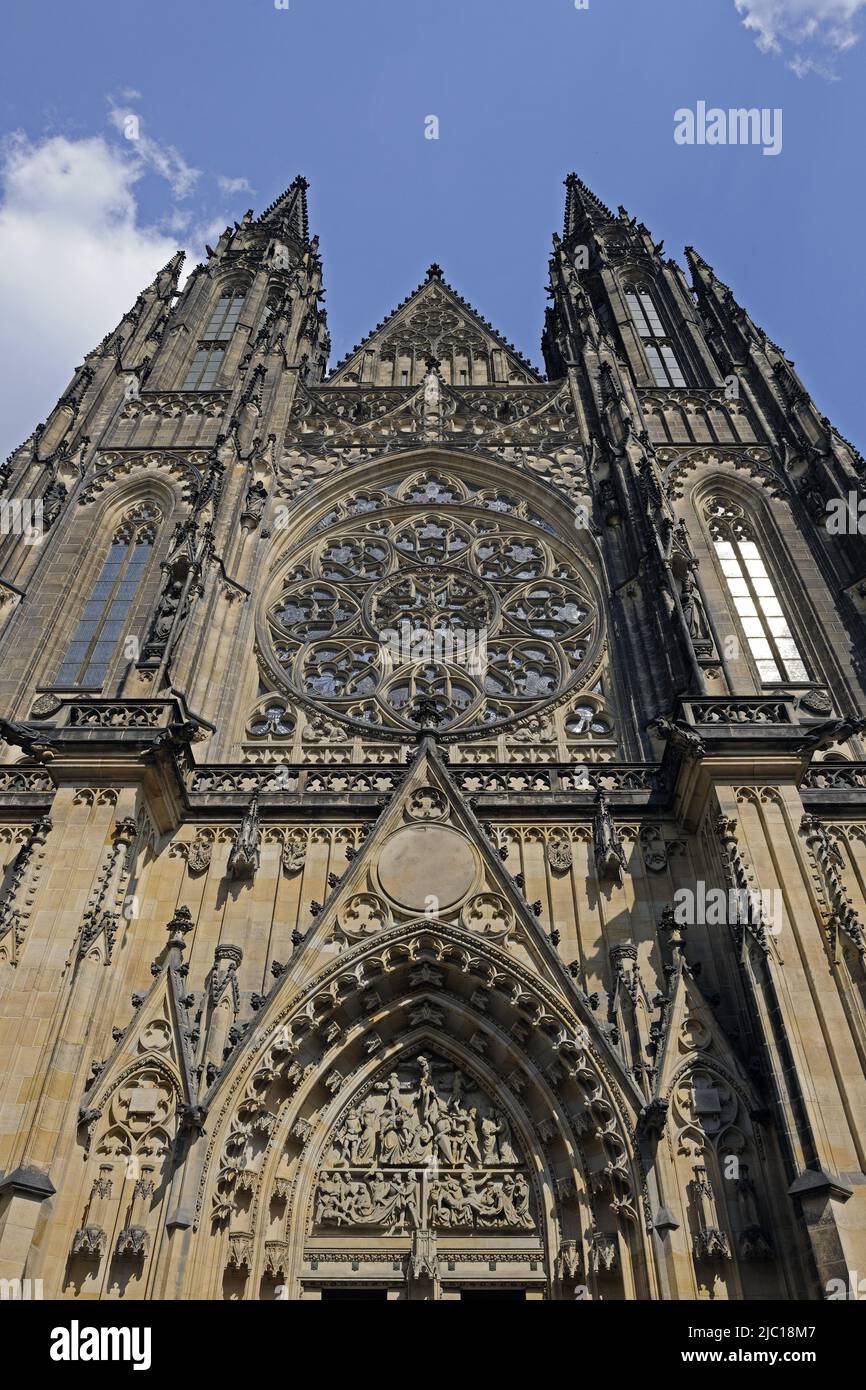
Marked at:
<point>609,853</point>
<point>693,612</point>
<point>244,855</point>
<point>424,1117</point>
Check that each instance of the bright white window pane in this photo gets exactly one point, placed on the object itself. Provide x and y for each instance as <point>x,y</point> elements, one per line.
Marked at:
<point>763,588</point>
<point>761,649</point>
<point>768,671</point>
<point>636,312</point>
<point>756,569</point>
<point>771,642</point>
<point>651,312</point>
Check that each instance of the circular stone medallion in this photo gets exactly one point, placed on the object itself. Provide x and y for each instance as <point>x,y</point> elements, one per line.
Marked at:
<point>423,861</point>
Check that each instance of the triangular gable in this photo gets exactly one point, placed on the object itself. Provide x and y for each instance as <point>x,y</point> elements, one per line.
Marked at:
<point>693,1036</point>
<point>157,1036</point>
<point>428,857</point>
<point>432,321</point>
<point>427,865</point>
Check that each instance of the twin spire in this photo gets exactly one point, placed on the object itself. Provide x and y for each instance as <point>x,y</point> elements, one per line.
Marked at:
<point>582,208</point>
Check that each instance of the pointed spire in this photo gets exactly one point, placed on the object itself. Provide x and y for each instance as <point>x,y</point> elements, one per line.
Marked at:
<point>717,303</point>
<point>166,282</point>
<point>291,207</point>
<point>581,205</point>
<point>702,272</point>
<point>162,287</point>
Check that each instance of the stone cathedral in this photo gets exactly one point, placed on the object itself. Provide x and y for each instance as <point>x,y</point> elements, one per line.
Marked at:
<point>433,798</point>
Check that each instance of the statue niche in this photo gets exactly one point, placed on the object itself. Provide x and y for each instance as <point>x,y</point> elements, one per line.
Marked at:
<point>424,1148</point>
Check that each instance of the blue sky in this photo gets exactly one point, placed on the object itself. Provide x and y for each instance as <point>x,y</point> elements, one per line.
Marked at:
<point>234,97</point>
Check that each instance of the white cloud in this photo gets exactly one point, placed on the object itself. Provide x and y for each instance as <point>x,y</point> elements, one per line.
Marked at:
<point>230,186</point>
<point>824,27</point>
<point>164,160</point>
<point>73,257</point>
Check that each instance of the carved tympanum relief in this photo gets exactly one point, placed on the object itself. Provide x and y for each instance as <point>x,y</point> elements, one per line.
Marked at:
<point>424,1147</point>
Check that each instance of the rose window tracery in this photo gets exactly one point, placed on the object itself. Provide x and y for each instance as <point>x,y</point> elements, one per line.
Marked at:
<point>461,621</point>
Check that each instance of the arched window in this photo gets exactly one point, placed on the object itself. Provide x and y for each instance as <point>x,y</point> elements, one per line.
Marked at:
<point>221,325</point>
<point>103,621</point>
<point>204,369</point>
<point>772,645</point>
<point>657,345</point>
<point>224,318</point>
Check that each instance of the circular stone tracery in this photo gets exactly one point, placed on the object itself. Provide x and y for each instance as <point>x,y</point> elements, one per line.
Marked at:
<point>431,618</point>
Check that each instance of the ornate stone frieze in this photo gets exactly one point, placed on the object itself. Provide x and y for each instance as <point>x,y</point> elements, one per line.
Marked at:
<point>424,1148</point>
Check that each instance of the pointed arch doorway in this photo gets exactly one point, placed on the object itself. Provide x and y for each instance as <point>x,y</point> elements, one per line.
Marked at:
<point>428,1188</point>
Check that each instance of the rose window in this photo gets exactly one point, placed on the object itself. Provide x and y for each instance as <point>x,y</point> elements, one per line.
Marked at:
<point>431,617</point>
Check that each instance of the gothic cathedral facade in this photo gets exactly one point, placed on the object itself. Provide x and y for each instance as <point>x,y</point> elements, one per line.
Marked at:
<point>433,798</point>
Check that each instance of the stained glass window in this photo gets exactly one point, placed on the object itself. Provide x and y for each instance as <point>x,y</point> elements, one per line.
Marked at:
<point>773,647</point>
<point>104,620</point>
<point>659,351</point>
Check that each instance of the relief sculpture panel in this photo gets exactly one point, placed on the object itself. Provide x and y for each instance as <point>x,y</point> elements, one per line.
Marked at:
<point>425,1146</point>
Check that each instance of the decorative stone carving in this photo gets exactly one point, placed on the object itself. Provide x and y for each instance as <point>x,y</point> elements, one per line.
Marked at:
<point>609,853</point>
<point>363,915</point>
<point>489,914</point>
<point>603,1253</point>
<point>423,1260</point>
<point>200,852</point>
<point>696,619</point>
<point>710,1241</point>
<point>842,915</point>
<point>427,803</point>
<point>559,854</point>
<point>44,706</point>
<point>245,852</point>
<point>459,626</point>
<point>293,856</point>
<point>424,1148</point>
<point>569,1262</point>
<point>654,848</point>
<point>254,505</point>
